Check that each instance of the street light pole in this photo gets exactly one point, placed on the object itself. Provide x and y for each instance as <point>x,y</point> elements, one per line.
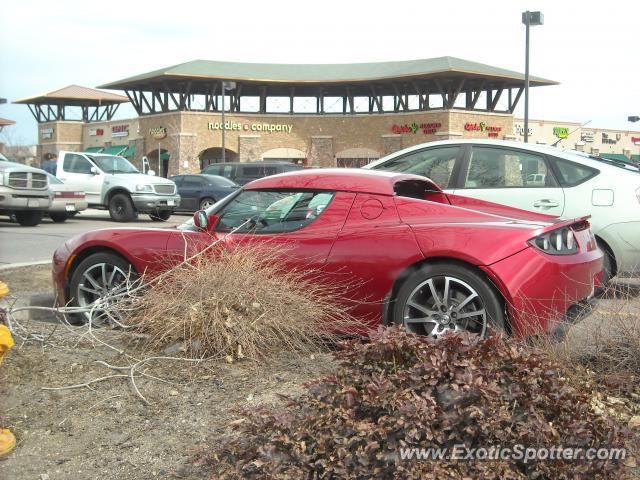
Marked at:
<point>529,19</point>
<point>225,86</point>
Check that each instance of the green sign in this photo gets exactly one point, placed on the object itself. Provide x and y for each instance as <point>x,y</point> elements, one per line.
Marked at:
<point>561,132</point>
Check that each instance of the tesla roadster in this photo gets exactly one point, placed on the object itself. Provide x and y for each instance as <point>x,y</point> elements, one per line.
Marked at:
<point>412,254</point>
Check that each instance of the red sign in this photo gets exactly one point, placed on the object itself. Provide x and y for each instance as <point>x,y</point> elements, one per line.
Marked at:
<point>425,128</point>
<point>635,139</point>
<point>483,127</point>
<point>120,130</point>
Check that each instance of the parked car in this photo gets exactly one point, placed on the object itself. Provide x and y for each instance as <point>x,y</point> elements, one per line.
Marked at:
<point>67,201</point>
<point>539,178</point>
<point>200,191</point>
<point>24,192</point>
<point>245,172</point>
<point>413,255</point>
<point>111,182</point>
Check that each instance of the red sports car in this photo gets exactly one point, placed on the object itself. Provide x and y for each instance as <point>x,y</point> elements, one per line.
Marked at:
<point>413,255</point>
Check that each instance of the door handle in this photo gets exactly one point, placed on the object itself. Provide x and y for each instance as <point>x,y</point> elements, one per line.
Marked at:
<point>545,203</point>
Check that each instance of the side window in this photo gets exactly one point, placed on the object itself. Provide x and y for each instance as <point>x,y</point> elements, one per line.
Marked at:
<point>189,181</point>
<point>501,168</point>
<point>435,163</point>
<point>74,163</point>
<point>572,174</point>
<point>253,171</point>
<point>270,171</point>
<point>256,211</point>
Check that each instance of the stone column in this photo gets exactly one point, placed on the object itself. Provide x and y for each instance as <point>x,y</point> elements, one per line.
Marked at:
<point>321,152</point>
<point>249,149</point>
<point>391,143</point>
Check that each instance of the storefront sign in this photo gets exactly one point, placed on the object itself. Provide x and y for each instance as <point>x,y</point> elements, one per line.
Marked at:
<point>519,130</point>
<point>635,139</point>
<point>253,127</point>
<point>492,131</point>
<point>424,128</point>
<point>586,137</point>
<point>561,132</point>
<point>96,132</point>
<point>606,139</point>
<point>158,133</point>
<point>46,133</point>
<point>120,131</point>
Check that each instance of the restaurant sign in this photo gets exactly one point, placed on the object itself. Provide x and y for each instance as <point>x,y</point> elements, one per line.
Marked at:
<point>158,133</point>
<point>424,128</point>
<point>586,137</point>
<point>253,127</point>
<point>96,132</point>
<point>120,131</point>
<point>491,131</point>
<point>46,133</point>
<point>561,132</point>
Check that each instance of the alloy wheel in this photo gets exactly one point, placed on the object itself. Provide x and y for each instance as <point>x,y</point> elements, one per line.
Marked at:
<point>97,282</point>
<point>444,304</point>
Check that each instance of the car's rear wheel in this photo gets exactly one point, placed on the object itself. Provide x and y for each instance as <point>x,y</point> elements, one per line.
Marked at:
<point>97,279</point>
<point>121,208</point>
<point>206,203</point>
<point>442,298</point>
<point>28,218</point>
<point>608,267</point>
<point>160,216</point>
<point>58,217</point>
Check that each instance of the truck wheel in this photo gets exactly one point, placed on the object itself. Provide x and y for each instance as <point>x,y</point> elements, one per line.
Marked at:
<point>29,218</point>
<point>160,215</point>
<point>58,217</point>
<point>121,208</point>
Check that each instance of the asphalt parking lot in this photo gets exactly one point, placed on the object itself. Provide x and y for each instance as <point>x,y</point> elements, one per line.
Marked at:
<point>24,245</point>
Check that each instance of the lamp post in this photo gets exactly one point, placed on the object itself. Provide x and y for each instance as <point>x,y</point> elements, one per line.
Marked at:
<point>225,86</point>
<point>633,119</point>
<point>529,19</point>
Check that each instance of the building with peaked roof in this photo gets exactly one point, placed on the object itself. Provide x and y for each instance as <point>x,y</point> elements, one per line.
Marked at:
<point>193,114</point>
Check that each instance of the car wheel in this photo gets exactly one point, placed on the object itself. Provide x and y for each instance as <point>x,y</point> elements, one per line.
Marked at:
<point>206,203</point>
<point>160,216</point>
<point>28,218</point>
<point>96,277</point>
<point>440,298</point>
<point>608,262</point>
<point>58,217</point>
<point>121,208</point>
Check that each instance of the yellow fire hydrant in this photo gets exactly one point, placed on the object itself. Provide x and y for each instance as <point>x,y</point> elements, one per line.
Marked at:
<point>7,440</point>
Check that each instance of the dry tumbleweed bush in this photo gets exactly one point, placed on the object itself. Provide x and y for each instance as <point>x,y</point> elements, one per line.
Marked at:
<point>241,302</point>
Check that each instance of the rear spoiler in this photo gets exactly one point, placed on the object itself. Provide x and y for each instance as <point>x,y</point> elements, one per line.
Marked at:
<point>580,223</point>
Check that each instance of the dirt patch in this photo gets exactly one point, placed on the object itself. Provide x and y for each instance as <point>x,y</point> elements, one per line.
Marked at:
<point>106,431</point>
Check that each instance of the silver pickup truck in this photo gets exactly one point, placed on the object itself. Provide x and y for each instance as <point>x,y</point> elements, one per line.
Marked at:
<point>111,182</point>
<point>24,192</point>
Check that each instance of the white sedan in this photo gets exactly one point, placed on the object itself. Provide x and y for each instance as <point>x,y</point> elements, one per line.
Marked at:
<point>67,200</point>
<point>542,179</point>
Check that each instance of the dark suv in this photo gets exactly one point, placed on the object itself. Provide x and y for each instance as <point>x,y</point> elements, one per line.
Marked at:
<point>245,172</point>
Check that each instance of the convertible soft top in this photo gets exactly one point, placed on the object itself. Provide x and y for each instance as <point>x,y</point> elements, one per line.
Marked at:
<point>340,179</point>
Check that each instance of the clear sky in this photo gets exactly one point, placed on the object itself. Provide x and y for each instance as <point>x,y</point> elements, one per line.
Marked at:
<point>590,47</point>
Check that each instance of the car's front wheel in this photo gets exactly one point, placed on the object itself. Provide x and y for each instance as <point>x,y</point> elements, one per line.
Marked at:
<point>121,208</point>
<point>100,278</point>
<point>160,216</point>
<point>440,298</point>
<point>206,203</point>
<point>28,218</point>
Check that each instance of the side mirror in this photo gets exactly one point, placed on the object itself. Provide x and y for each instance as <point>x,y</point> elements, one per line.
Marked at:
<point>151,172</point>
<point>203,221</point>
<point>94,170</point>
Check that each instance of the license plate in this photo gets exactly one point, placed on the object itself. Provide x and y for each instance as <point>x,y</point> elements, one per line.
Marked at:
<point>70,208</point>
<point>33,202</point>
<point>171,203</point>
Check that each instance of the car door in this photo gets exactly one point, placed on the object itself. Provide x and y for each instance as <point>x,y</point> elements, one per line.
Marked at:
<point>301,224</point>
<point>511,177</point>
<point>440,164</point>
<point>77,172</point>
<point>191,192</point>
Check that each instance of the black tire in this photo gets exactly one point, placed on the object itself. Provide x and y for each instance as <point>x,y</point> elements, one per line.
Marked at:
<point>78,298</point>
<point>206,202</point>
<point>161,215</point>
<point>58,217</point>
<point>488,300</point>
<point>72,214</point>
<point>28,218</point>
<point>121,208</point>
<point>608,268</point>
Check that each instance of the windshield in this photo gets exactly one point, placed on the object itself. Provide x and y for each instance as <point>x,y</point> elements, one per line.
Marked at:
<point>3,158</point>
<point>113,164</point>
<point>53,179</point>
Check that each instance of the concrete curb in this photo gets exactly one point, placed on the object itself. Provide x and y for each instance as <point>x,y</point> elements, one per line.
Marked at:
<point>11,266</point>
